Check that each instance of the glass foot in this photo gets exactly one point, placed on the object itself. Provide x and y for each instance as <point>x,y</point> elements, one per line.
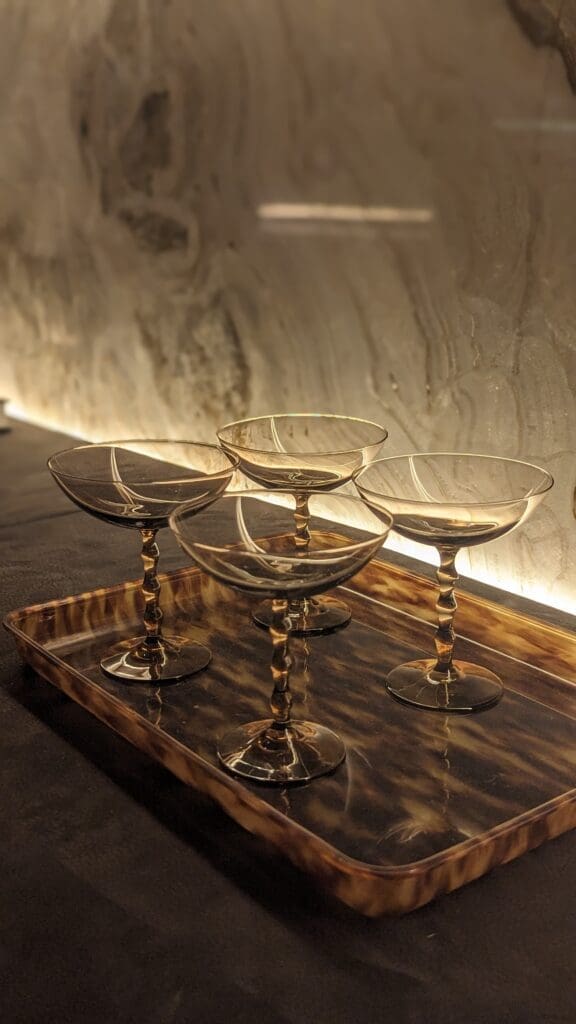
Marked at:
<point>318,616</point>
<point>261,752</point>
<point>132,660</point>
<point>473,688</point>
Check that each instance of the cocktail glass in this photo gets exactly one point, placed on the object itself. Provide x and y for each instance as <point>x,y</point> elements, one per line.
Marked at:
<point>450,500</point>
<point>301,453</point>
<point>256,552</point>
<point>138,484</point>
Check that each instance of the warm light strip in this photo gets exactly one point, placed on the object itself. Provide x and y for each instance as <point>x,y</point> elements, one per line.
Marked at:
<point>16,412</point>
<point>345,214</point>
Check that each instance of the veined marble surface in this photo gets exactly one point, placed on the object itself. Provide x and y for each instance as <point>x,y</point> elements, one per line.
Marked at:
<point>214,209</point>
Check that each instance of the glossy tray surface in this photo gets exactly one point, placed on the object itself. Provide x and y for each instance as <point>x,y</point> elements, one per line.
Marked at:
<point>425,802</point>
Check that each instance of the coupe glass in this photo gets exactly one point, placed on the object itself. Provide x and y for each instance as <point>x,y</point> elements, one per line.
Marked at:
<point>138,484</point>
<point>260,555</point>
<point>451,501</point>
<point>303,452</point>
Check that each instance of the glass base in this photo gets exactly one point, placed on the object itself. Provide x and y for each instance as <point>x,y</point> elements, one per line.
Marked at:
<point>317,617</point>
<point>260,752</point>
<point>133,661</point>
<point>472,687</point>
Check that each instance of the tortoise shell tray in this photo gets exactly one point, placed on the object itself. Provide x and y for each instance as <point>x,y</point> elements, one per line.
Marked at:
<point>424,802</point>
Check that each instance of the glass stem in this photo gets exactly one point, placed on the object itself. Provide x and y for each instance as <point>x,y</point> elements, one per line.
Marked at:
<point>299,605</point>
<point>281,701</point>
<point>302,520</point>
<point>445,607</point>
<point>151,591</point>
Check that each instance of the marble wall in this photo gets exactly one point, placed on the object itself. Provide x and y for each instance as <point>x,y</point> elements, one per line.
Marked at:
<point>216,208</point>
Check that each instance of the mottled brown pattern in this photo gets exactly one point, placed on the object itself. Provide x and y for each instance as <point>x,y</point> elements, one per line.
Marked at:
<point>424,802</point>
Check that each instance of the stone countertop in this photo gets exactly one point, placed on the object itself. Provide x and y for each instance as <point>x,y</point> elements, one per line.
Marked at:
<point>126,897</point>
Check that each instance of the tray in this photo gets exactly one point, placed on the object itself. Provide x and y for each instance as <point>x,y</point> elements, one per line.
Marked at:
<point>424,803</point>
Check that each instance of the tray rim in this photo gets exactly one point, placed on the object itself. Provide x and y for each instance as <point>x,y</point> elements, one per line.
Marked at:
<point>250,797</point>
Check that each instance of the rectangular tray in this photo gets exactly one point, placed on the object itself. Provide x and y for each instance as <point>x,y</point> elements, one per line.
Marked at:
<point>424,803</point>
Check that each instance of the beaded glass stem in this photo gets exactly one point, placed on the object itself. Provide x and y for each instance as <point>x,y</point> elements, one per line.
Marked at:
<point>446,606</point>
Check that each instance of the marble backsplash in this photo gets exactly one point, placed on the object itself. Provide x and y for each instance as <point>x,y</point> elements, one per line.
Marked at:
<point>213,209</point>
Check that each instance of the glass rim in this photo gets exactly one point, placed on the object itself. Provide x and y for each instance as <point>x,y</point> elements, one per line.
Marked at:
<point>302,415</point>
<point>233,459</point>
<point>264,495</point>
<point>546,485</point>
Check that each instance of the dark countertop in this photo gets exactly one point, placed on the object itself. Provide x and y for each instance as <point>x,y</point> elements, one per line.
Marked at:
<point>126,897</point>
